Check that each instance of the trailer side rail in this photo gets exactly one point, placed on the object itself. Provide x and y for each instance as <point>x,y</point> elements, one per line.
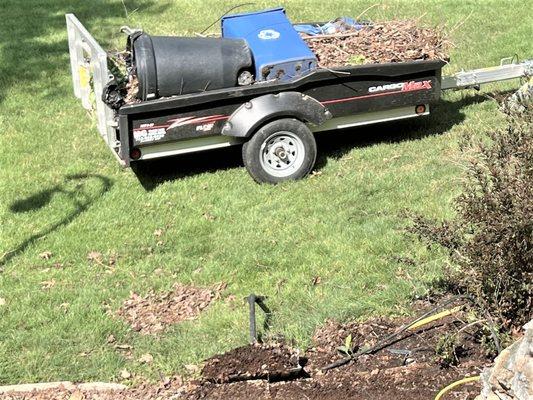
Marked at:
<point>88,63</point>
<point>505,71</point>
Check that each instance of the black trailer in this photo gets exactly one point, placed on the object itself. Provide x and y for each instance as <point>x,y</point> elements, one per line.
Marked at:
<point>273,121</point>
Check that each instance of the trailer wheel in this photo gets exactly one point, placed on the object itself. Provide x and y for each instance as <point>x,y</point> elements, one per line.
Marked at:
<point>281,150</point>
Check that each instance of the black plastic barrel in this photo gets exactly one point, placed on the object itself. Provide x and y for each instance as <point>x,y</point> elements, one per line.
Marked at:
<point>168,66</point>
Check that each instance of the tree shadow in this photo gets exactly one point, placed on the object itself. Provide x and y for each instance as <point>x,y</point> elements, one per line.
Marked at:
<point>31,51</point>
<point>331,144</point>
<point>81,201</point>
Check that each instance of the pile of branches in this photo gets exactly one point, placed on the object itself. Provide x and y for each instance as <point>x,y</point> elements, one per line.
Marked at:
<point>387,42</point>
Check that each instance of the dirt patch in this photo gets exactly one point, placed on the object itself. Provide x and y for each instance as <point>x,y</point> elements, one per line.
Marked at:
<point>406,369</point>
<point>154,312</point>
<point>387,42</point>
<point>270,362</point>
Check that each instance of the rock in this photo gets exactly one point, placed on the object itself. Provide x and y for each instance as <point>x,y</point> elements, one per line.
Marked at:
<point>101,386</point>
<point>29,387</point>
<point>511,377</point>
<point>77,395</point>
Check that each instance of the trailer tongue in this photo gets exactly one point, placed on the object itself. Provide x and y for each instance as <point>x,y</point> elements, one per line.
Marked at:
<point>509,68</point>
<point>273,119</point>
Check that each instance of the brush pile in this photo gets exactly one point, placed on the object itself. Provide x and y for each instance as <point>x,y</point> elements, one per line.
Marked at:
<point>386,42</point>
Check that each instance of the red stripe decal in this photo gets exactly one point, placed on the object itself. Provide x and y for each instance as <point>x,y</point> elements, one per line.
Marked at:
<point>177,122</point>
<point>368,96</point>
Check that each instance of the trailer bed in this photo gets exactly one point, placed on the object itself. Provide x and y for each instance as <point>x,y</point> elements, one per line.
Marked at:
<point>387,91</point>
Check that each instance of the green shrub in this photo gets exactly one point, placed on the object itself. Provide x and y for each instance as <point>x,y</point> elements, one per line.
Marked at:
<point>446,350</point>
<point>490,239</point>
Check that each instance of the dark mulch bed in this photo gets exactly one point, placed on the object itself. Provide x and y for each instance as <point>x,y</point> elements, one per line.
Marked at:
<point>383,375</point>
<point>270,362</point>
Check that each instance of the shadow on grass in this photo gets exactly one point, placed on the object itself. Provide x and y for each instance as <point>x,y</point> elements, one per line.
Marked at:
<point>152,173</point>
<point>444,116</point>
<point>81,201</point>
<point>31,52</point>
<point>331,145</point>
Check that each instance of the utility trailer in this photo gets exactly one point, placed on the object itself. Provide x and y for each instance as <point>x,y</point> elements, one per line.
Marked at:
<point>273,121</point>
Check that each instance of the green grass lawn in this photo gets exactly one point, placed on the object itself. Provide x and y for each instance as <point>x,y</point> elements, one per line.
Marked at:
<point>61,191</point>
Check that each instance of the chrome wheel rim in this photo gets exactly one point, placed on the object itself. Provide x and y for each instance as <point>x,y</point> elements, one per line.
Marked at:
<point>282,154</point>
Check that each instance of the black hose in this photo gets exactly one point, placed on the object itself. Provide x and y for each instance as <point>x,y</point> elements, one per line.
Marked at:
<point>386,341</point>
<point>226,13</point>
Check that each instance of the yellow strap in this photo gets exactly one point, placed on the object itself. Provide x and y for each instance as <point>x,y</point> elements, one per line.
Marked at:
<point>435,317</point>
<point>85,76</point>
<point>452,385</point>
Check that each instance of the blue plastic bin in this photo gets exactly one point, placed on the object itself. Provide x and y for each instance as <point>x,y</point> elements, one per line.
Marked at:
<point>278,50</point>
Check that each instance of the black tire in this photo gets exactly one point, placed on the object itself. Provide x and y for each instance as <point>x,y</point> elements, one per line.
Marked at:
<point>297,143</point>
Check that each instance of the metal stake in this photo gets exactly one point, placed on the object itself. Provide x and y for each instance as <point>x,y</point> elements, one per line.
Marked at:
<point>252,300</point>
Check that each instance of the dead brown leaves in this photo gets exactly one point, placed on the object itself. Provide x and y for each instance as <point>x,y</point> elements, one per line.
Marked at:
<point>167,388</point>
<point>77,395</point>
<point>146,359</point>
<point>388,42</point>
<point>46,255</point>
<point>95,256</point>
<point>132,88</point>
<point>46,285</point>
<point>154,312</point>
<point>108,263</point>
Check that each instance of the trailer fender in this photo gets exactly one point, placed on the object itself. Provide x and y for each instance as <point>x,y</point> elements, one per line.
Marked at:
<point>251,115</point>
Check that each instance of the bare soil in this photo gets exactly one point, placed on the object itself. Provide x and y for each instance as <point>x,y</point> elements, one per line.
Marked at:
<point>383,375</point>
<point>270,362</point>
<point>276,371</point>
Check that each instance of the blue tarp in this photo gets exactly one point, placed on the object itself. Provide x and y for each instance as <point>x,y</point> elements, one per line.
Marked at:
<point>339,25</point>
